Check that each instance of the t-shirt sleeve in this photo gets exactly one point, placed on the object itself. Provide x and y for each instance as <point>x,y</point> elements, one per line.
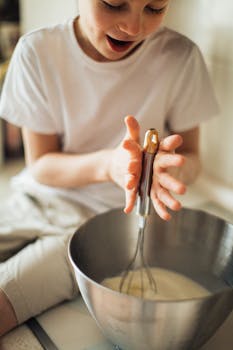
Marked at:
<point>193,98</point>
<point>23,99</point>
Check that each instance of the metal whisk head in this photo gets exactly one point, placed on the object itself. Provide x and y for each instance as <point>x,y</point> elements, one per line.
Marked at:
<point>130,284</point>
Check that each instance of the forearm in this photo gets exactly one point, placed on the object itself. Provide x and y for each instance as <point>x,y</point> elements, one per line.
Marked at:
<point>71,170</point>
<point>189,171</point>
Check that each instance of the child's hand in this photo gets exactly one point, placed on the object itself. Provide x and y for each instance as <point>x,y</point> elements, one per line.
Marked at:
<point>126,163</point>
<point>163,182</point>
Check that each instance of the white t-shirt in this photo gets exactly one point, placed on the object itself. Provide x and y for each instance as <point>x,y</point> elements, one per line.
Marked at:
<point>52,86</point>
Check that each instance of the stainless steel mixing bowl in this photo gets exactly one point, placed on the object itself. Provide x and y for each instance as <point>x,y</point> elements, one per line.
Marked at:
<point>193,243</point>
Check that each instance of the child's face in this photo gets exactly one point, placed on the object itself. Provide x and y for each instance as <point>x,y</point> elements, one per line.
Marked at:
<point>112,29</point>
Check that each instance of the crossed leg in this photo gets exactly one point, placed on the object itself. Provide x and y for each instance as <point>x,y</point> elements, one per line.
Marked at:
<point>35,273</point>
<point>8,318</point>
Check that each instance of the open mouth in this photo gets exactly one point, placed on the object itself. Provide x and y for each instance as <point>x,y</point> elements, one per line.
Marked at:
<point>118,45</point>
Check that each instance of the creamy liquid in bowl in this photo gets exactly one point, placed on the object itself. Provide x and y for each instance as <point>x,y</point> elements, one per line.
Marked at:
<point>170,285</point>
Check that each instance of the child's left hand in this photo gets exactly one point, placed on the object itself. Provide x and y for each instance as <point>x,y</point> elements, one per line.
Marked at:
<point>163,183</point>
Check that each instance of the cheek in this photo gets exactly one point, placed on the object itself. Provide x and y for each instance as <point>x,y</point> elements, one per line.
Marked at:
<point>152,25</point>
<point>101,22</point>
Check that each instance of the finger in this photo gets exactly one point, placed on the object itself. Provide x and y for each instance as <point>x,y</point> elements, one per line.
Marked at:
<point>130,198</point>
<point>132,128</point>
<point>166,160</point>
<point>135,166</point>
<point>170,183</point>
<point>131,182</point>
<point>165,197</point>
<point>170,143</point>
<point>133,147</point>
<point>160,208</point>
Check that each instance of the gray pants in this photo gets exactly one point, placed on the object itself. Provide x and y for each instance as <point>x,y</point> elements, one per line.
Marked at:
<point>35,272</point>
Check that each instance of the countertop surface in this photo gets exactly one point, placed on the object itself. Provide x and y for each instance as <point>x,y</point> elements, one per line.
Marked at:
<point>71,327</point>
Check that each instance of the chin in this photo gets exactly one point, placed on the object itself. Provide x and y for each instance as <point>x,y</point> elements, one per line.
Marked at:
<point>106,56</point>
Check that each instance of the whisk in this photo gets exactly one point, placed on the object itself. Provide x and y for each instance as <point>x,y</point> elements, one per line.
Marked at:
<point>150,148</point>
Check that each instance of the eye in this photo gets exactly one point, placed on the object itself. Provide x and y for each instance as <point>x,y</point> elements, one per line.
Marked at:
<point>112,7</point>
<point>155,10</point>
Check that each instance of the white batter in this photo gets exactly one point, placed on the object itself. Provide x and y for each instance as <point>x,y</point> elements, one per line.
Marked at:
<point>170,285</point>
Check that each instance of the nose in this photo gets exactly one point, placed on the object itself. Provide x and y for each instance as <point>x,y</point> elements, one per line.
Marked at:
<point>131,24</point>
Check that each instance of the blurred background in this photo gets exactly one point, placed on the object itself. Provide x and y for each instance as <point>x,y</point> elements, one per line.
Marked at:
<point>11,143</point>
<point>209,23</point>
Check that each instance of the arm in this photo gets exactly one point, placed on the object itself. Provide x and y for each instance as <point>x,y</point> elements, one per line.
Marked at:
<point>50,166</point>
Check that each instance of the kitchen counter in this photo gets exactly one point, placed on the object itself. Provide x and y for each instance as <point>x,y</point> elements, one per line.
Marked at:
<point>71,327</point>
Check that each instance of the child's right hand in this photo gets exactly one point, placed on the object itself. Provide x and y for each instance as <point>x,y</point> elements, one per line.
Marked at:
<point>126,162</point>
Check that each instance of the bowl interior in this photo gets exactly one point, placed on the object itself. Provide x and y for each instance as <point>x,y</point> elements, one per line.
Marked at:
<point>194,243</point>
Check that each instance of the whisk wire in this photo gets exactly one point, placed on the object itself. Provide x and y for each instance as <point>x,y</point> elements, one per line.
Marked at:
<point>129,268</point>
<point>128,274</point>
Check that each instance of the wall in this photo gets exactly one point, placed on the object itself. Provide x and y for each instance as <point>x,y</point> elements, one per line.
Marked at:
<point>209,23</point>
<point>38,13</point>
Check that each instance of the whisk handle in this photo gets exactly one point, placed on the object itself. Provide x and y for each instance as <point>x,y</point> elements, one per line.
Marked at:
<point>151,145</point>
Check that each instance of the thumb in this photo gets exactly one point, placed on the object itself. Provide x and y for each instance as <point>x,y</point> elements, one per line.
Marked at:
<point>132,128</point>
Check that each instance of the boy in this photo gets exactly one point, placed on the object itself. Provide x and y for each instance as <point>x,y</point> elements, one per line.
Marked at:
<point>69,88</point>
